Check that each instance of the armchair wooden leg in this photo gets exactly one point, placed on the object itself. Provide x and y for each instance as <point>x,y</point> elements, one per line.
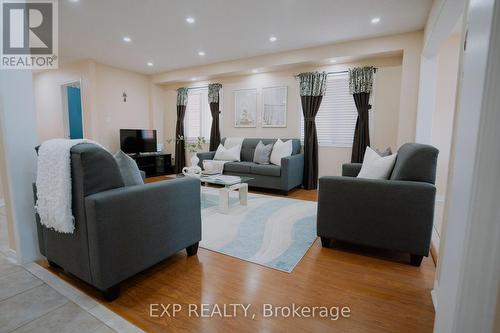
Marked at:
<point>325,242</point>
<point>53,264</point>
<point>416,260</point>
<point>111,293</point>
<point>192,249</point>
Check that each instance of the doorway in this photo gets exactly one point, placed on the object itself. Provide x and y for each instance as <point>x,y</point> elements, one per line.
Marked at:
<point>73,111</point>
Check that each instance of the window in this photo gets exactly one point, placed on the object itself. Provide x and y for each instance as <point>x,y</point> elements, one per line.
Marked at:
<point>198,119</point>
<point>336,118</point>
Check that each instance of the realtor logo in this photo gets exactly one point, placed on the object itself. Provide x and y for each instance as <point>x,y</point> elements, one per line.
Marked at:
<point>29,34</point>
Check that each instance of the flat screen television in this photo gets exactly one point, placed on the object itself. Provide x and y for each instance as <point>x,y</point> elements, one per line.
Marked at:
<point>135,141</point>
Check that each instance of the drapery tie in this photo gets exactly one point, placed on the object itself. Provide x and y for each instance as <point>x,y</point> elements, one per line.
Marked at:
<point>310,119</point>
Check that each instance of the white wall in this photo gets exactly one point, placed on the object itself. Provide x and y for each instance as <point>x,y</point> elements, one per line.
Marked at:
<point>112,112</point>
<point>104,111</point>
<point>49,103</point>
<point>446,92</point>
<point>441,124</point>
<point>2,198</point>
<point>436,99</point>
<point>426,99</point>
<point>385,102</point>
<point>18,160</point>
<point>409,44</point>
<point>469,265</point>
<point>445,16</point>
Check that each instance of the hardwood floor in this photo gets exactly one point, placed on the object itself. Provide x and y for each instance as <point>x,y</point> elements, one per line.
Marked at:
<point>384,293</point>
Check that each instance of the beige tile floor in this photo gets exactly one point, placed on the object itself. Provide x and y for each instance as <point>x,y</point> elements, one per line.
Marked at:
<point>34,300</point>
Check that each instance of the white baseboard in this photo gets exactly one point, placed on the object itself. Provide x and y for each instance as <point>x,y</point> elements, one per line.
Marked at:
<point>434,295</point>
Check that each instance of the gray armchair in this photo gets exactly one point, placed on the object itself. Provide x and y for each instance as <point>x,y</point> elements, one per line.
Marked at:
<point>121,231</point>
<point>395,214</point>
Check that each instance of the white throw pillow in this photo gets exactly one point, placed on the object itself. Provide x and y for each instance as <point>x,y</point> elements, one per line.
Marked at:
<point>231,154</point>
<point>376,167</point>
<point>281,149</point>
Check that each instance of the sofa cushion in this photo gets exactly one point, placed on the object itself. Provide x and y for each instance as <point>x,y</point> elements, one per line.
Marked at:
<point>238,167</point>
<point>266,170</point>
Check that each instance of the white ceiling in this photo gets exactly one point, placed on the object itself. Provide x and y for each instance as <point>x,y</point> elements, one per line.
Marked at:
<point>224,29</point>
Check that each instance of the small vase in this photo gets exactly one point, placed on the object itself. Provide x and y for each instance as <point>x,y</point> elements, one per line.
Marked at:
<point>194,160</point>
<point>194,170</point>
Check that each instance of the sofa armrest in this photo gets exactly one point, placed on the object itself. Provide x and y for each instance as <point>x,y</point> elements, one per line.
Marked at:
<point>389,214</point>
<point>143,175</point>
<point>292,171</point>
<point>132,228</point>
<point>351,169</point>
<point>209,155</point>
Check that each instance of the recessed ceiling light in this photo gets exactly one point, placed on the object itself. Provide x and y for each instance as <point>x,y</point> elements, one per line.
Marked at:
<point>254,71</point>
<point>193,79</point>
<point>333,60</point>
<point>127,39</point>
<point>201,53</point>
<point>190,20</point>
<point>150,64</point>
<point>272,39</point>
<point>375,20</point>
<point>73,0</point>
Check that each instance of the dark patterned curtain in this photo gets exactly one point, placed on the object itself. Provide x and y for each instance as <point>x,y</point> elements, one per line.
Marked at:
<point>180,153</point>
<point>213,100</point>
<point>312,89</point>
<point>360,86</point>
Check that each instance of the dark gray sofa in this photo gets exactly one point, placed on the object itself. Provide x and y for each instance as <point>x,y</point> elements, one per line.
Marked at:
<point>121,231</point>
<point>395,214</point>
<point>283,178</point>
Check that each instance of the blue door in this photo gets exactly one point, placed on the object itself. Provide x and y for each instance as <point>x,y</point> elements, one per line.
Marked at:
<point>75,113</point>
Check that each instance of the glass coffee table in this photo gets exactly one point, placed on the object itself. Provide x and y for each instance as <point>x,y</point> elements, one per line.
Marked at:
<point>229,183</point>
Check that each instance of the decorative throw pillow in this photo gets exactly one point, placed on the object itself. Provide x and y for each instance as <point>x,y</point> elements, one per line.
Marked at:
<point>262,153</point>
<point>231,154</point>
<point>281,149</point>
<point>384,153</point>
<point>375,166</point>
<point>128,169</point>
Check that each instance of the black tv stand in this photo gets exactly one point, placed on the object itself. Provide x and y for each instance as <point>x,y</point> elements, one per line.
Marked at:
<point>154,164</point>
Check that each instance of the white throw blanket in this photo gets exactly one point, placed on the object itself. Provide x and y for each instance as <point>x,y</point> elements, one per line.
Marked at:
<point>217,166</point>
<point>53,183</point>
<point>213,167</point>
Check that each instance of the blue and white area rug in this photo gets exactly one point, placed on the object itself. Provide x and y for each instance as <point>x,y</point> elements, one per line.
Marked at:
<point>271,231</point>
